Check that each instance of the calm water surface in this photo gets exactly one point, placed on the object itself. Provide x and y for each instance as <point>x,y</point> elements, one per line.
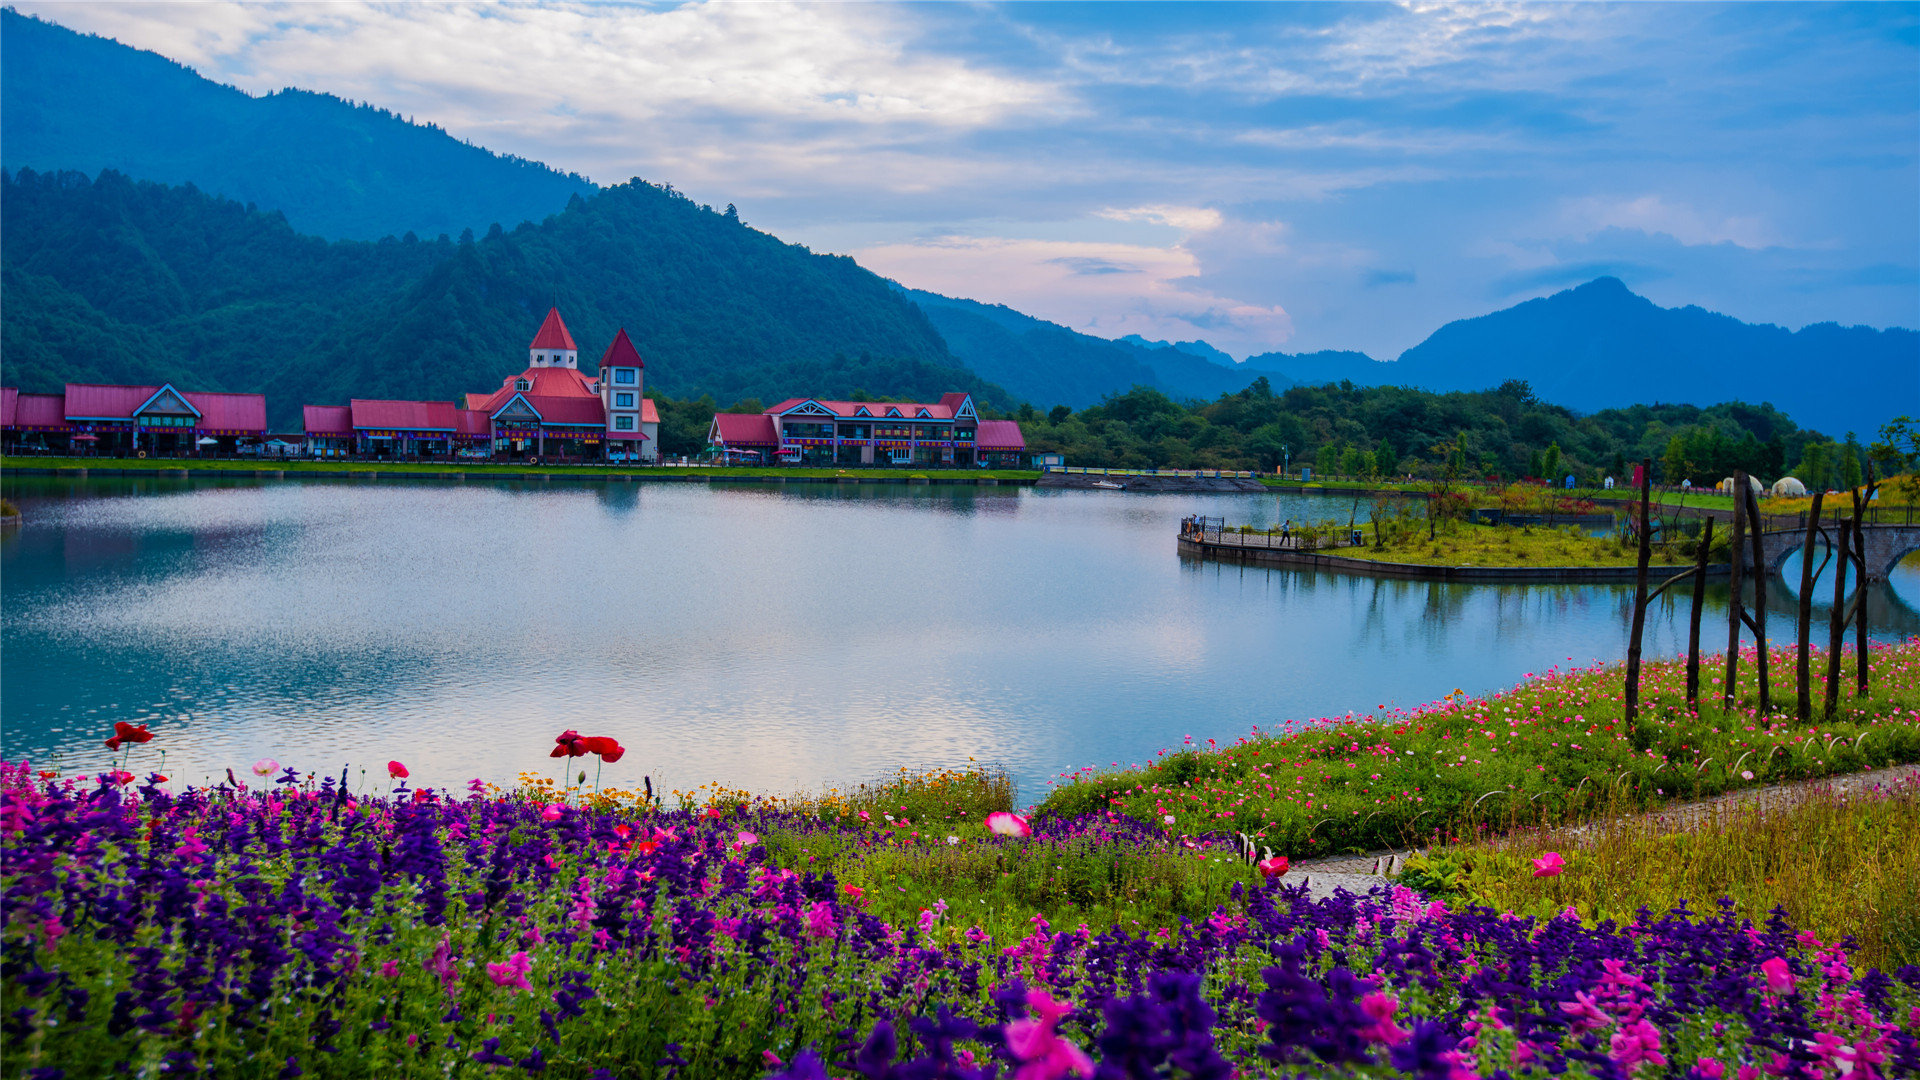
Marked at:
<point>770,638</point>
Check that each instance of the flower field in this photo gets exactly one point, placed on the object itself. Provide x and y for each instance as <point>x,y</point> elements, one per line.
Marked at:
<point>1553,749</point>
<point>288,926</point>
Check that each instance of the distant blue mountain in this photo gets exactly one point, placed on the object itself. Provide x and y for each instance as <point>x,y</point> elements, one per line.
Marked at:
<point>1047,364</point>
<point>1601,346</point>
<point>335,169</point>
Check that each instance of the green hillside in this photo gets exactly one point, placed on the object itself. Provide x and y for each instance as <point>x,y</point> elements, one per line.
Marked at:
<point>117,280</point>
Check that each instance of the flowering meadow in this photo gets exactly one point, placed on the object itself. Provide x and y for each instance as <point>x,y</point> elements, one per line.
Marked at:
<point>287,924</point>
<point>1553,749</point>
<point>296,928</point>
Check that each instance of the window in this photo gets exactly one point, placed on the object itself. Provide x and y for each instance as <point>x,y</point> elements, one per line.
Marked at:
<point>623,423</point>
<point>523,384</point>
<point>624,376</point>
<point>623,401</point>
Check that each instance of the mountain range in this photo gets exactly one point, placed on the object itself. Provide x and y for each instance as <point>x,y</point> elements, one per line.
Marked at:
<point>161,225</point>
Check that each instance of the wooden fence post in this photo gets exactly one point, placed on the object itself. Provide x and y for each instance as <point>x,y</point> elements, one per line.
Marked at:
<point>1804,668</point>
<point>1736,603</point>
<point>1757,619</point>
<point>1693,620</point>
<point>1639,596</point>
<point>1837,624</point>
<point>1862,501</point>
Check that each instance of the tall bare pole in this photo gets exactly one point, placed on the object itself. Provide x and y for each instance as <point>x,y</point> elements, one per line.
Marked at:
<point>1639,594</point>
<point>1736,602</point>
<point>1804,668</point>
<point>1862,498</point>
<point>1693,620</point>
<point>1757,621</point>
<point>1837,625</point>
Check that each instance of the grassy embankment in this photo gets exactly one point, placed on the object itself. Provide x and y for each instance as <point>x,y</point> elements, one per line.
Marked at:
<point>481,469</point>
<point>1836,863</point>
<point>1523,546</point>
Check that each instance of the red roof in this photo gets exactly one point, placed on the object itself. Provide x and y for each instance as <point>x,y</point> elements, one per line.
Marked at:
<point>568,410</point>
<point>909,410</point>
<point>621,353</point>
<point>40,411</point>
<point>999,435</point>
<point>472,422</point>
<point>649,412</point>
<point>329,420</point>
<point>230,412</point>
<point>545,382</point>
<point>87,401</point>
<point>553,333</point>
<point>9,398</point>
<point>405,415</point>
<point>223,412</point>
<point>745,429</point>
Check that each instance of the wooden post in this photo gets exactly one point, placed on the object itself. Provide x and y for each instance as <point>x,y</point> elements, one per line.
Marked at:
<point>1803,700</point>
<point>1837,625</point>
<point>1862,501</point>
<point>1736,603</point>
<point>1639,596</point>
<point>1757,619</point>
<point>1693,620</point>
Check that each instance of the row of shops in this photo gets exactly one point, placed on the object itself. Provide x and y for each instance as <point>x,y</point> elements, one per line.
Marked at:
<point>549,411</point>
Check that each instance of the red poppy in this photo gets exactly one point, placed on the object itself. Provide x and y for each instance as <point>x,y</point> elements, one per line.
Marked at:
<point>124,732</point>
<point>569,744</point>
<point>397,770</point>
<point>606,746</point>
<point>121,777</point>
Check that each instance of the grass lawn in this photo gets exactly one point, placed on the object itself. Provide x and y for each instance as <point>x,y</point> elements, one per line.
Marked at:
<point>1506,545</point>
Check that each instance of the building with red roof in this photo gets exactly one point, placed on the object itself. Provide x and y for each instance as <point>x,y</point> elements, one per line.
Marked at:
<point>550,409</point>
<point>133,419</point>
<point>813,431</point>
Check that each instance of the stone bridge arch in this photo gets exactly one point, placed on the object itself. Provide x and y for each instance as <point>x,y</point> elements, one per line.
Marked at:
<point>1886,546</point>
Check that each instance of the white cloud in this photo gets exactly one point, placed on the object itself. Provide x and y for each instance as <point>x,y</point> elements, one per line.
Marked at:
<point>1654,215</point>
<point>1105,289</point>
<point>1184,218</point>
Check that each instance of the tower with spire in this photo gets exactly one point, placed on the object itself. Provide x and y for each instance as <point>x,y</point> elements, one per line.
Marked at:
<point>553,346</point>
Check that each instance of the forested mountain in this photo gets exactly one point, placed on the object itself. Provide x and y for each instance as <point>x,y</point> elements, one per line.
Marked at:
<point>117,280</point>
<point>1601,346</point>
<point>77,101</point>
<point>1048,364</point>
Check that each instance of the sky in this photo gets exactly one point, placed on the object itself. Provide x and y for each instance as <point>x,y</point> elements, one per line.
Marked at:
<point>1263,177</point>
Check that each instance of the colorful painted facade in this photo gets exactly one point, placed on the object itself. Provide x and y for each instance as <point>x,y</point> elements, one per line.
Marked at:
<point>112,419</point>
<point>550,410</point>
<point>809,431</point>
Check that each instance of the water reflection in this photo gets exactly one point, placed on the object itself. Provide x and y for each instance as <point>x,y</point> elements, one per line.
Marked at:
<point>772,637</point>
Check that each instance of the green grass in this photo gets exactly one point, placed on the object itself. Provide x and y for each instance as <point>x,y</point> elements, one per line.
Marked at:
<point>1553,750</point>
<point>292,466</point>
<point>1836,863</point>
<point>1516,546</point>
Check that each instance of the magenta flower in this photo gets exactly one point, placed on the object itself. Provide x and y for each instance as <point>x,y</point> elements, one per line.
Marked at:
<point>397,771</point>
<point>1549,865</point>
<point>1042,1053</point>
<point>513,973</point>
<point>1002,823</point>
<point>820,922</point>
<point>1779,975</point>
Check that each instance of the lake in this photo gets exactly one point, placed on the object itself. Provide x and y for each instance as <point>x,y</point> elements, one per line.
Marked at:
<point>766,637</point>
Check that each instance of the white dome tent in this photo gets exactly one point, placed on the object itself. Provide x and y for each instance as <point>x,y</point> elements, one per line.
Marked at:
<point>1725,487</point>
<point>1789,487</point>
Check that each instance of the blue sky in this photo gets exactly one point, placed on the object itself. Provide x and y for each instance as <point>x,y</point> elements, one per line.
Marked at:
<point>1266,177</point>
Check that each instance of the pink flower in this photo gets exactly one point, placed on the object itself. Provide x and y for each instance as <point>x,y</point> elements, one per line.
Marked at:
<point>1636,1042</point>
<point>552,813</point>
<point>397,770</point>
<point>440,965</point>
<point>390,969</point>
<point>1272,868</point>
<point>266,766</point>
<point>820,922</point>
<point>513,973</point>
<point>1710,1068</point>
<point>1002,823</point>
<point>1042,1053</point>
<point>1779,975</point>
<point>744,841</point>
<point>1379,1008</point>
<point>1549,865</point>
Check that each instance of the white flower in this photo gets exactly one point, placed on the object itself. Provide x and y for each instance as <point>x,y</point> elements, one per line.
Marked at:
<point>1168,819</point>
<point>1746,774</point>
<point>953,840</point>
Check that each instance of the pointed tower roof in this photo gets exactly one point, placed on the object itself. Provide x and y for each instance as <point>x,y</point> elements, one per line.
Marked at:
<point>553,333</point>
<point>621,353</point>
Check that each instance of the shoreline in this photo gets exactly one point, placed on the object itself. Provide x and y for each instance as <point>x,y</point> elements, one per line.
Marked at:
<point>1511,575</point>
